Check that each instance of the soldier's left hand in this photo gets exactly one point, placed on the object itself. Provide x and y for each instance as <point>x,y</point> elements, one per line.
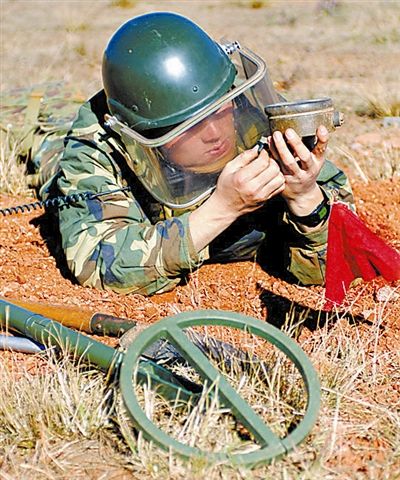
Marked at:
<point>299,166</point>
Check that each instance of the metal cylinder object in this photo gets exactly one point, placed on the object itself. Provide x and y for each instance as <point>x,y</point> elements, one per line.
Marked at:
<point>19,344</point>
<point>78,318</point>
<point>304,116</point>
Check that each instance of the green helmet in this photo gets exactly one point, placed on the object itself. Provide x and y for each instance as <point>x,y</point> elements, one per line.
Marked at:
<point>181,105</point>
<point>159,69</point>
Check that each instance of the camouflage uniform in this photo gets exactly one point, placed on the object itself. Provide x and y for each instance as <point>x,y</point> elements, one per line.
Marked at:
<point>127,242</point>
<point>36,120</point>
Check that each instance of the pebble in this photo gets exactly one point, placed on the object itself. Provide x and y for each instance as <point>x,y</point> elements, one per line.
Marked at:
<point>387,294</point>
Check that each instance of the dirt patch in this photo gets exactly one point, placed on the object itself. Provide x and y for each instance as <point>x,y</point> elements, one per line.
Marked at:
<point>30,272</point>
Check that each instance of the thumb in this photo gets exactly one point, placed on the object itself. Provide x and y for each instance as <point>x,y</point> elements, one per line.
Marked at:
<point>243,159</point>
<point>322,142</point>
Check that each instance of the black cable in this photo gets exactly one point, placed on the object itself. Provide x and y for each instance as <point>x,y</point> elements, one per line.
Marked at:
<point>57,202</point>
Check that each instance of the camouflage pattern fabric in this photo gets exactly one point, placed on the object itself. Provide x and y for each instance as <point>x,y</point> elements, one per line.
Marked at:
<point>127,242</point>
<point>36,119</point>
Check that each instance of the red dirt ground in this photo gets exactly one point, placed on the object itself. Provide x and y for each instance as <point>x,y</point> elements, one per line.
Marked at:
<point>28,271</point>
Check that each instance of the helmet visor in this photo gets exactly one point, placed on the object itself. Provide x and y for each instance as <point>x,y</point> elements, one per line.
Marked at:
<point>181,167</point>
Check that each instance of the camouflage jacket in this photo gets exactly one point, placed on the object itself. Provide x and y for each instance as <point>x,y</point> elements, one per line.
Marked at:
<point>127,242</point>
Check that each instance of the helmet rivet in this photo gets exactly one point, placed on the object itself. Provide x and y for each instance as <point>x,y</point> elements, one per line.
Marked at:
<point>195,88</point>
<point>130,50</point>
<point>135,108</point>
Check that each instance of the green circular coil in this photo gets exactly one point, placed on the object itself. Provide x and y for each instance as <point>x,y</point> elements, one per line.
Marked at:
<point>271,445</point>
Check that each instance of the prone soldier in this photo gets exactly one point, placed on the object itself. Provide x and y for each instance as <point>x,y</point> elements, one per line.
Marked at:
<point>178,122</point>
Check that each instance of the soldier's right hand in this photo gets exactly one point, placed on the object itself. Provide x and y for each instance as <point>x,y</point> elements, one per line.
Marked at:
<point>248,181</point>
<point>245,183</point>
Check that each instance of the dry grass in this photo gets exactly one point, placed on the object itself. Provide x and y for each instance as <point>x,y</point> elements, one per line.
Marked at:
<point>123,3</point>
<point>381,163</point>
<point>53,418</point>
<point>12,170</point>
<point>380,103</point>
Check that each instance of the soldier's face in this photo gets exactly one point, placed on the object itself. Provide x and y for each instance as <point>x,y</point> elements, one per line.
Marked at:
<point>207,146</point>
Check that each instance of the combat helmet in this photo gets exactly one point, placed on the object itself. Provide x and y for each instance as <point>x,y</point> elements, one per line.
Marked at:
<point>161,68</point>
<point>164,79</point>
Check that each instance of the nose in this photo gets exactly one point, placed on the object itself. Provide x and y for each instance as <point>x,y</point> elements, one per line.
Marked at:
<point>210,132</point>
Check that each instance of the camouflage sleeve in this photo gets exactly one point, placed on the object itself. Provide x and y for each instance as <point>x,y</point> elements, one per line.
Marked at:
<point>307,251</point>
<point>108,241</point>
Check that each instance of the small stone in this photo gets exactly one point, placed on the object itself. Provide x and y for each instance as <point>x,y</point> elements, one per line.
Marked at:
<point>369,314</point>
<point>387,294</point>
<point>391,122</point>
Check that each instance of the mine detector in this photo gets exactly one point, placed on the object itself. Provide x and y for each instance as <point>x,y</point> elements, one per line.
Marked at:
<point>131,366</point>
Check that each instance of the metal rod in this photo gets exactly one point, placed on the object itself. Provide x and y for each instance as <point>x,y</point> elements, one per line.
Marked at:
<point>19,344</point>
<point>108,359</point>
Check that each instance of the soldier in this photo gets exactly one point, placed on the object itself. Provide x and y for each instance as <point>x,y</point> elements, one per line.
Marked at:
<point>173,138</point>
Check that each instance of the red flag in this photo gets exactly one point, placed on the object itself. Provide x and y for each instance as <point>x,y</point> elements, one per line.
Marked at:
<point>354,251</point>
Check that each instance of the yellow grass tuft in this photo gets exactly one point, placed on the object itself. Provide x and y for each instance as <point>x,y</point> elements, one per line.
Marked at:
<point>12,170</point>
<point>380,103</point>
<point>123,3</point>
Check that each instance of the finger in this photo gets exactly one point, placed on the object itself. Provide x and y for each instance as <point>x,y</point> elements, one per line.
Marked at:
<point>322,143</point>
<point>272,188</point>
<point>242,160</point>
<point>279,189</point>
<point>275,155</point>
<point>299,149</point>
<point>266,176</point>
<point>253,173</point>
<point>272,148</point>
<point>258,166</point>
<point>286,158</point>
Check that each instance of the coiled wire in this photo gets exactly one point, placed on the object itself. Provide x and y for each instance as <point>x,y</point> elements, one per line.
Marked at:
<point>56,202</point>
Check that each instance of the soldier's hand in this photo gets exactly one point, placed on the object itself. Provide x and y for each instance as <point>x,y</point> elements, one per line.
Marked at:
<point>300,168</point>
<point>248,181</point>
<point>244,185</point>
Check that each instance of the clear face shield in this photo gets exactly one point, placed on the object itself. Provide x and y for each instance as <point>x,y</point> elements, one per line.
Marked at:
<point>181,167</point>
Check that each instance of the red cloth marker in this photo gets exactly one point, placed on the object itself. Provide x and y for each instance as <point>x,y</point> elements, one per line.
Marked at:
<point>354,251</point>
